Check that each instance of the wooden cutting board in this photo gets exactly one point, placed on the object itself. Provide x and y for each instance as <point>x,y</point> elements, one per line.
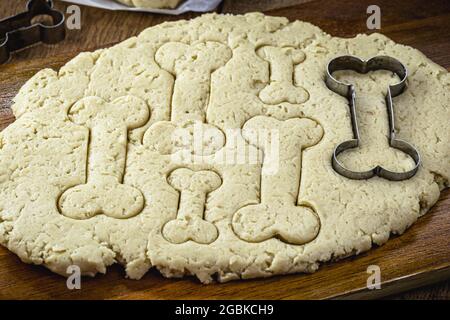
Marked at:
<point>418,257</point>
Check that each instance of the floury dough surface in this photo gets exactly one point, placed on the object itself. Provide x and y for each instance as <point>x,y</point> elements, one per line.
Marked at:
<point>93,172</point>
<point>151,4</point>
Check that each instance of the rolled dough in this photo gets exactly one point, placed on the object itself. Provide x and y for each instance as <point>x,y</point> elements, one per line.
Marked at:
<point>203,148</point>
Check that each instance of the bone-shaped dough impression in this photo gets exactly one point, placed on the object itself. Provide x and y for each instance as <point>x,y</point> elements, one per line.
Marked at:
<point>104,191</point>
<point>280,214</point>
<point>281,88</point>
<point>191,66</point>
<point>189,224</point>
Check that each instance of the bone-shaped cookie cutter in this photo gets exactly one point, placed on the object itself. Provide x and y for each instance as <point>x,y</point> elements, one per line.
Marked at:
<point>18,32</point>
<point>348,91</point>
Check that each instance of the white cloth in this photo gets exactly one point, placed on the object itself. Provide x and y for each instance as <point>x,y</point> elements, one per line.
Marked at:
<point>188,5</point>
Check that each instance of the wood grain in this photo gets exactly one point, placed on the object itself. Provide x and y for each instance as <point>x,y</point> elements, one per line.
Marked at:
<point>419,257</point>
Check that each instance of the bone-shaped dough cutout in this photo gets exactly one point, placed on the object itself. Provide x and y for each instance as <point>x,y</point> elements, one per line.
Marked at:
<point>190,224</point>
<point>192,66</point>
<point>281,88</point>
<point>104,191</point>
<point>279,214</point>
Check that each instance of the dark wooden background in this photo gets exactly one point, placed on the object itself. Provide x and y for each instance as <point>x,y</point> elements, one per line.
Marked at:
<point>424,25</point>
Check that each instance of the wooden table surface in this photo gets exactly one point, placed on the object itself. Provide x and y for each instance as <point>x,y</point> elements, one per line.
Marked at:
<point>424,25</point>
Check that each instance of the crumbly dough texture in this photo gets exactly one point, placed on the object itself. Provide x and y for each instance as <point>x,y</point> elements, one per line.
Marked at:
<point>93,172</point>
<point>152,4</point>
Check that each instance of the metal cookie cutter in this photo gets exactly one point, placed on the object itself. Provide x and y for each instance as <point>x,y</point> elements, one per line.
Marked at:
<point>17,32</point>
<point>348,91</point>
